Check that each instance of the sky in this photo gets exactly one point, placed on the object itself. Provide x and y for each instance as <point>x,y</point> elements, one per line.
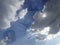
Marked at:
<point>29,22</point>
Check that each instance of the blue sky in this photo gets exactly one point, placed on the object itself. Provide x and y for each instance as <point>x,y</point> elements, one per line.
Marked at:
<point>29,22</point>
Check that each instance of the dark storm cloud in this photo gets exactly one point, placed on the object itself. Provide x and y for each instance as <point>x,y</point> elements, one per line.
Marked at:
<point>54,8</point>
<point>52,19</point>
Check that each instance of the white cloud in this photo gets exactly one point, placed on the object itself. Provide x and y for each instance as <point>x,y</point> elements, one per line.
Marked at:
<point>2,42</point>
<point>44,15</point>
<point>8,10</point>
<point>22,13</point>
<point>58,44</point>
<point>39,35</point>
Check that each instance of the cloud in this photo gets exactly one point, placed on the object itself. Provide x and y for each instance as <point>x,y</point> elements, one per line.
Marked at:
<point>37,34</point>
<point>2,42</point>
<point>8,10</point>
<point>49,17</point>
<point>54,41</point>
<point>22,13</point>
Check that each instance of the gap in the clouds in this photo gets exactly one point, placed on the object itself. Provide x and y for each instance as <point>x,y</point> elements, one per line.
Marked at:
<point>21,25</point>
